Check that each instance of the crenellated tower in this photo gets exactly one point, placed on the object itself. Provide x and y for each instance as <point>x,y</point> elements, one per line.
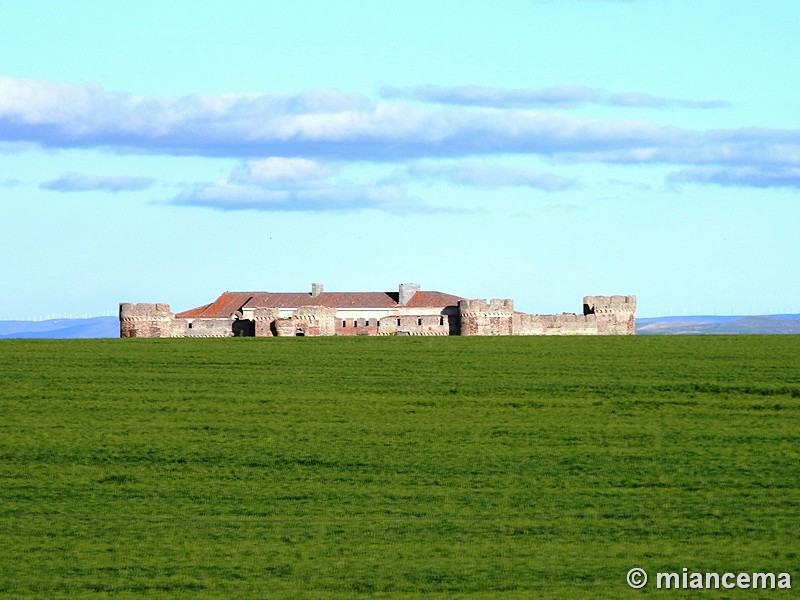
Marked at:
<point>615,315</point>
<point>145,320</point>
<point>479,317</point>
<point>410,311</point>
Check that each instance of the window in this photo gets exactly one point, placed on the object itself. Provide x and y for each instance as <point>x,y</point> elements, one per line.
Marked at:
<point>419,321</point>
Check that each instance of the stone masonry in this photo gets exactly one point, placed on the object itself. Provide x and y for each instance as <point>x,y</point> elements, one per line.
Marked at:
<point>409,311</point>
<point>602,315</point>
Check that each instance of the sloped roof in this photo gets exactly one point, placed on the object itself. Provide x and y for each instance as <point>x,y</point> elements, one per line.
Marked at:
<point>232,302</point>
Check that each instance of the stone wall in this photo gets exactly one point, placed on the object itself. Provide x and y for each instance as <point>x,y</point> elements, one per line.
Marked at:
<point>479,317</point>
<point>264,322</point>
<point>602,315</point>
<point>314,320</point>
<point>212,328</point>
<point>616,315</point>
<point>564,324</point>
<point>357,326</point>
<point>404,324</point>
<point>157,321</point>
<point>415,325</point>
<point>145,320</point>
<point>285,327</point>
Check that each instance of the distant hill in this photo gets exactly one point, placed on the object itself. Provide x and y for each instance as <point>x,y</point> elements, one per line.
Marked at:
<point>93,327</point>
<point>710,324</point>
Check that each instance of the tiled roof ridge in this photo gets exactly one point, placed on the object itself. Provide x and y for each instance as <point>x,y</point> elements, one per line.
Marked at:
<point>229,303</point>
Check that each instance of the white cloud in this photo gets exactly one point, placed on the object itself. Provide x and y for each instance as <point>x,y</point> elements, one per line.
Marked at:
<point>282,184</point>
<point>280,170</point>
<point>487,175</point>
<point>306,133</point>
<point>77,182</point>
<point>312,124</point>
<point>758,177</point>
<point>342,197</point>
<point>552,97</point>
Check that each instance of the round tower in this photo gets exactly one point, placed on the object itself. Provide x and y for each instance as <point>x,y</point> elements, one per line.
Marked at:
<point>145,320</point>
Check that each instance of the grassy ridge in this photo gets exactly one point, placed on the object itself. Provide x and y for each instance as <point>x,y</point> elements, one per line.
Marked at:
<point>395,467</point>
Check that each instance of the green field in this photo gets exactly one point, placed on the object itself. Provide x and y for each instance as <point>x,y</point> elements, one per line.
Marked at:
<point>395,467</point>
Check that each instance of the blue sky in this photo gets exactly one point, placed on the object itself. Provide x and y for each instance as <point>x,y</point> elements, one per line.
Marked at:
<point>535,150</point>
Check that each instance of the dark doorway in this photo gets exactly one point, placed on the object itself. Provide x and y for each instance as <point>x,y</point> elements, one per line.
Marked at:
<point>244,328</point>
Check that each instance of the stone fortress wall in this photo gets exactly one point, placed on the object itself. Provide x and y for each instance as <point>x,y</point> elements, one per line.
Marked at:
<point>147,320</point>
<point>156,320</point>
<point>602,315</point>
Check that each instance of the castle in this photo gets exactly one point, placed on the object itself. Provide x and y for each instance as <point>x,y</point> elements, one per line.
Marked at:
<point>409,311</point>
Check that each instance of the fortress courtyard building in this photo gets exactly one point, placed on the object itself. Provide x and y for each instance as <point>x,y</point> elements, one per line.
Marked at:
<point>408,311</point>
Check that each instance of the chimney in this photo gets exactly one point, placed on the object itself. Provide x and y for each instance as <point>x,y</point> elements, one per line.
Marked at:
<point>407,291</point>
<point>316,289</point>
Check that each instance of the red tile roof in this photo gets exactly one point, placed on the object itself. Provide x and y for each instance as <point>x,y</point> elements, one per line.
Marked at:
<point>194,312</point>
<point>232,302</point>
<point>432,299</point>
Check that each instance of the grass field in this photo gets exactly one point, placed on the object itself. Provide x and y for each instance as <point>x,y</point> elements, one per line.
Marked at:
<point>395,467</point>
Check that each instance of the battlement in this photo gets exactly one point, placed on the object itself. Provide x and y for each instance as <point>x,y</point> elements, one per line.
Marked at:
<point>262,313</point>
<point>144,311</point>
<point>602,315</point>
<point>616,315</point>
<point>479,317</point>
<point>145,320</point>
<point>496,306</point>
<point>410,312</point>
<point>314,313</point>
<point>593,305</point>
